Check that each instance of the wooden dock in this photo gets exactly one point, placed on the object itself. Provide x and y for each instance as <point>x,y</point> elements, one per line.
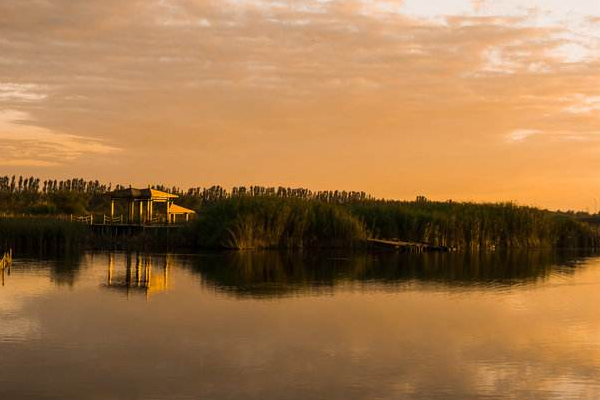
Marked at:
<point>129,229</point>
<point>412,247</point>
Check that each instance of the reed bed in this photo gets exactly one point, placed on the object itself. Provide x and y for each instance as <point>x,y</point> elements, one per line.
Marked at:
<point>31,234</point>
<point>269,217</point>
<point>271,222</point>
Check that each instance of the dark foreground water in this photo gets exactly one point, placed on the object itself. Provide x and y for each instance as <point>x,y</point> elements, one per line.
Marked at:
<point>271,326</point>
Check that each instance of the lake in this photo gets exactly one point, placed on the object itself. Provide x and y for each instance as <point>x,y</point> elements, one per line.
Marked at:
<point>269,325</point>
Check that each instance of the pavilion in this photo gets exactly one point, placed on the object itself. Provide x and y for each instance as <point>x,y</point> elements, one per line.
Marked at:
<point>140,206</point>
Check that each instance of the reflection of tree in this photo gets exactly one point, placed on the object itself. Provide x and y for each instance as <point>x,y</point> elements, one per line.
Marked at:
<point>65,269</point>
<point>273,274</point>
<point>138,272</point>
<point>62,269</point>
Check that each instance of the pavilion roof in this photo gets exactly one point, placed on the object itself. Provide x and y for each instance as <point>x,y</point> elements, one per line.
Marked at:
<point>175,209</point>
<point>141,194</point>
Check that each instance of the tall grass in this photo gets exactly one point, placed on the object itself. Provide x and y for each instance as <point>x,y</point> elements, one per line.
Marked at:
<point>475,226</point>
<point>270,222</point>
<point>37,234</point>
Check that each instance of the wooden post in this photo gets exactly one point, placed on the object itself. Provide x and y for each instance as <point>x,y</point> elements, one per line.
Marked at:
<point>168,212</point>
<point>131,211</point>
<point>141,203</point>
<point>150,209</point>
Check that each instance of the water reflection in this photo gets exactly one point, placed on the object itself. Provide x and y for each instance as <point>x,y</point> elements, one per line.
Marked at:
<point>504,326</point>
<point>62,270</point>
<point>65,269</point>
<point>138,273</point>
<point>5,272</point>
<point>274,274</point>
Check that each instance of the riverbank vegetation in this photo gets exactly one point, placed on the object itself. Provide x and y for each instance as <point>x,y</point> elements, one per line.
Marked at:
<point>271,222</point>
<point>42,234</point>
<point>260,217</point>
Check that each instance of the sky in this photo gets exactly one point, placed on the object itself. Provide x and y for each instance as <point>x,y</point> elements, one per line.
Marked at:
<point>455,99</point>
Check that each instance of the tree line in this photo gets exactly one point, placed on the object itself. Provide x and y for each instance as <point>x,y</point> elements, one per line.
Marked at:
<point>280,217</point>
<point>31,195</point>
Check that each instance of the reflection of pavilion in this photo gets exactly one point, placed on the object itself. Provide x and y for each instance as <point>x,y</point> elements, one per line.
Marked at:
<point>5,263</point>
<point>3,272</point>
<point>138,274</point>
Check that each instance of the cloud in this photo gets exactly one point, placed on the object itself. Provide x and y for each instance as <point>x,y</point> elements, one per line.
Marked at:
<point>214,86</point>
<point>522,135</point>
<point>519,135</point>
<point>23,144</point>
<point>583,104</point>
<point>20,92</point>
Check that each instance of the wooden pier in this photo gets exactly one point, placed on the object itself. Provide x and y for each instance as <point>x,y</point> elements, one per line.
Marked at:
<point>129,229</point>
<point>412,247</point>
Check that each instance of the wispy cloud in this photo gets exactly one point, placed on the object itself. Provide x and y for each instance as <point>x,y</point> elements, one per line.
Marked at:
<point>583,104</point>
<point>519,135</point>
<point>24,144</point>
<point>21,92</point>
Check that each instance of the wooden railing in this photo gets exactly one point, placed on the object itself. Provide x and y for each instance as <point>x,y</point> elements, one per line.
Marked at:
<point>114,220</point>
<point>103,219</point>
<point>85,219</point>
<point>157,220</point>
<point>120,219</point>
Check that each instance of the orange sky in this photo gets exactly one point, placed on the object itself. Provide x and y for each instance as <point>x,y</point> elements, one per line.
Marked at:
<point>469,100</point>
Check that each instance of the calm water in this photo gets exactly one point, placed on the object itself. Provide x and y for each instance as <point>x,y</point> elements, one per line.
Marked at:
<point>271,326</point>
